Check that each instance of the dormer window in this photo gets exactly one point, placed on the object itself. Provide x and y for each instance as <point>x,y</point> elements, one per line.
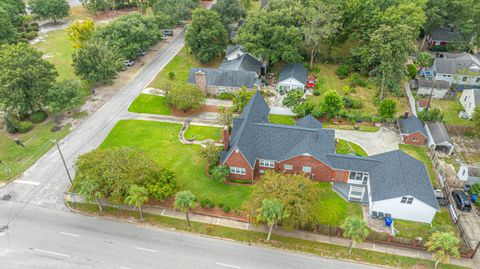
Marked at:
<point>358,177</point>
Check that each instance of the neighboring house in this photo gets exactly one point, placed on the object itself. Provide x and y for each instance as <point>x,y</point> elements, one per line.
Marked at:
<point>458,69</point>
<point>470,99</point>
<point>390,183</point>
<point>469,174</point>
<point>238,69</point>
<point>422,104</point>
<point>426,87</point>
<point>442,36</point>
<point>412,130</point>
<point>438,137</point>
<point>292,76</point>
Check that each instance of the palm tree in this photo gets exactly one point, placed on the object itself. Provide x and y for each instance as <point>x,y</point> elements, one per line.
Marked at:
<point>443,244</point>
<point>354,228</point>
<point>271,212</point>
<point>90,190</point>
<point>137,196</point>
<point>185,200</point>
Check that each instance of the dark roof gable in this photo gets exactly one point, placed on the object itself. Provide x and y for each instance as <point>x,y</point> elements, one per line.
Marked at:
<point>411,125</point>
<point>296,71</point>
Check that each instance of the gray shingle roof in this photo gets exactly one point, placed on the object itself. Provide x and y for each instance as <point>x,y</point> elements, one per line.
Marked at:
<point>309,122</point>
<point>438,132</point>
<point>242,63</point>
<point>232,48</point>
<point>446,34</point>
<point>452,63</point>
<point>226,78</point>
<point>401,175</point>
<point>436,84</point>
<point>411,125</point>
<point>297,71</point>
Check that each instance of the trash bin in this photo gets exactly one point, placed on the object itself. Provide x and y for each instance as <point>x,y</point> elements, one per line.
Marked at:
<point>474,198</point>
<point>388,221</point>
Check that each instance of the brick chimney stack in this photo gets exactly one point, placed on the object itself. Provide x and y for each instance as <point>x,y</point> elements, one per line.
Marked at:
<point>405,115</point>
<point>201,80</point>
<point>226,138</point>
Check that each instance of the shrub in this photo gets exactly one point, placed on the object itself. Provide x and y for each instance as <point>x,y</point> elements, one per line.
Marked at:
<point>431,115</point>
<point>351,103</point>
<point>38,117</point>
<point>241,181</point>
<point>343,71</point>
<point>346,90</point>
<point>171,75</point>
<point>411,71</point>
<point>474,189</point>
<point>316,69</point>
<point>205,203</point>
<point>226,96</point>
<point>220,173</point>
<point>24,126</point>
<point>227,209</point>
<point>220,205</point>
<point>11,123</point>
<point>22,40</point>
<point>316,92</point>
<point>31,35</point>
<point>439,48</point>
<point>357,80</point>
<point>387,109</point>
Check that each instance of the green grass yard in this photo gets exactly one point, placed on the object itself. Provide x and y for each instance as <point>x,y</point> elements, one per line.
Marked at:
<point>160,140</point>
<point>37,142</point>
<point>451,108</point>
<point>347,147</point>
<point>331,209</point>
<point>203,132</point>
<point>420,153</point>
<point>150,104</point>
<point>410,229</point>
<point>281,119</point>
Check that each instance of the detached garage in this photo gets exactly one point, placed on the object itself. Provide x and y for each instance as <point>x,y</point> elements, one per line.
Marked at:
<point>438,137</point>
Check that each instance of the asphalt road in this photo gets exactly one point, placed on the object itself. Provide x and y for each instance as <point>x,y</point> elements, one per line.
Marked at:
<point>43,234</point>
<point>45,238</point>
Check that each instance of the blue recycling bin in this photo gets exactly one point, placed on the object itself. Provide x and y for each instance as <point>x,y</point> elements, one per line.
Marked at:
<point>388,221</point>
<point>474,198</point>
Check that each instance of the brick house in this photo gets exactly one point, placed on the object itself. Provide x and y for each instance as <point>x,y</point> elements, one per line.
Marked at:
<point>390,183</point>
<point>412,130</point>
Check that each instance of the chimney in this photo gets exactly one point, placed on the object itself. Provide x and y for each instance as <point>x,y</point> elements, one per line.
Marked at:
<point>405,115</point>
<point>226,138</point>
<point>201,80</point>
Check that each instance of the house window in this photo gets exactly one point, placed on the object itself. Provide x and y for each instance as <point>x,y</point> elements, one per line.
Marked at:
<point>237,170</point>
<point>407,200</point>
<point>415,139</point>
<point>288,167</point>
<point>221,89</point>
<point>358,177</point>
<point>267,163</point>
<point>463,172</point>
<point>464,79</point>
<point>465,99</point>
<point>307,169</point>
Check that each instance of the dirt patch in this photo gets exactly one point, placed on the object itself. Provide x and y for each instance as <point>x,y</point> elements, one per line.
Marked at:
<point>205,3</point>
<point>204,108</point>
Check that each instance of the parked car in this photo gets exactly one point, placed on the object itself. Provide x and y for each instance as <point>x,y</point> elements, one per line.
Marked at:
<point>129,62</point>
<point>142,53</point>
<point>168,32</point>
<point>461,200</point>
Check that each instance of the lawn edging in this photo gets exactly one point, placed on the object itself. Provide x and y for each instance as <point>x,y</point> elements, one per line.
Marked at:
<point>258,238</point>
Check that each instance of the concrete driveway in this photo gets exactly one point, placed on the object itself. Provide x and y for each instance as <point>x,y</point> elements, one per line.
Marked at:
<point>373,143</point>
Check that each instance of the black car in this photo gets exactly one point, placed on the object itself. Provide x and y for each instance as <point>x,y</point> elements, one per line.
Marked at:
<point>168,32</point>
<point>461,200</point>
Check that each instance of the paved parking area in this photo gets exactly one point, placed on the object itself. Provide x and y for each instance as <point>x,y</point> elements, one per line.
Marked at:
<point>384,140</point>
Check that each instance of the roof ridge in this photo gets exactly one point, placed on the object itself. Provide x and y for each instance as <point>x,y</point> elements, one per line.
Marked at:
<point>402,171</point>
<point>285,126</point>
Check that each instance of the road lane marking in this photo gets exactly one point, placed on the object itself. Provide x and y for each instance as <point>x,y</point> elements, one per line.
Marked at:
<point>52,252</point>
<point>69,234</point>
<point>228,265</point>
<point>124,267</point>
<point>146,249</point>
<point>27,182</point>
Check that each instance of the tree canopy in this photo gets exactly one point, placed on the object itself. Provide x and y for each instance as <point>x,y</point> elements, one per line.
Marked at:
<point>229,10</point>
<point>49,9</point>
<point>354,228</point>
<point>206,36</point>
<point>443,245</point>
<point>8,31</point>
<point>178,10</point>
<point>63,96</point>
<point>79,32</point>
<point>24,79</point>
<point>271,212</point>
<point>185,97</point>
<point>332,104</point>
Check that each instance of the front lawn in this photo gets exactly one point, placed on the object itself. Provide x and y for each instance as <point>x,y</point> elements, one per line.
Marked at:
<point>410,229</point>
<point>150,104</point>
<point>332,209</point>
<point>281,119</point>
<point>37,142</point>
<point>420,153</point>
<point>347,147</point>
<point>179,66</point>
<point>451,108</point>
<point>363,128</point>
<point>160,140</point>
<point>203,132</point>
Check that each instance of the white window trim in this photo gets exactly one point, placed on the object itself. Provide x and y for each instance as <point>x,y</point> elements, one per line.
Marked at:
<point>415,139</point>
<point>288,167</point>
<point>309,168</point>
<point>356,181</point>
<point>267,163</point>
<point>238,170</point>
<point>406,200</point>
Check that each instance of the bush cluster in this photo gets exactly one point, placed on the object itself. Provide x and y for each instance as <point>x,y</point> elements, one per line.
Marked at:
<point>343,71</point>
<point>38,117</point>
<point>351,103</point>
<point>205,203</point>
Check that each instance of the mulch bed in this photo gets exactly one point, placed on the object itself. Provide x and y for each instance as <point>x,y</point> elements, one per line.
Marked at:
<point>204,108</point>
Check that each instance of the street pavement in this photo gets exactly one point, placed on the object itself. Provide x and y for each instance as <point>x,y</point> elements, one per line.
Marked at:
<point>45,238</point>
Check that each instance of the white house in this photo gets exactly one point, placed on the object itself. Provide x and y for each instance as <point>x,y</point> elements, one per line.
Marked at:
<point>469,174</point>
<point>470,99</point>
<point>292,76</point>
<point>458,69</point>
<point>435,88</point>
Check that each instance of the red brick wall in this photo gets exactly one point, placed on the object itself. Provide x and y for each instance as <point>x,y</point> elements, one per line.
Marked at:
<point>236,159</point>
<point>340,176</point>
<point>257,168</point>
<point>321,171</point>
<point>421,139</point>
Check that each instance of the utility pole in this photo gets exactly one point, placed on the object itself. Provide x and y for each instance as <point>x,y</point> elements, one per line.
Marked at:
<point>64,163</point>
<point>431,93</point>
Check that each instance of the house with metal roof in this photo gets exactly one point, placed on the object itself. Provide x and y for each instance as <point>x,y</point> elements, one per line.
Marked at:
<point>292,76</point>
<point>470,99</point>
<point>412,130</point>
<point>391,183</point>
<point>459,69</point>
<point>443,35</point>
<point>438,137</point>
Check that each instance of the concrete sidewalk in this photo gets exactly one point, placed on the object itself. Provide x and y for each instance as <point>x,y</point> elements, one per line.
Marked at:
<point>378,247</point>
<point>172,119</point>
